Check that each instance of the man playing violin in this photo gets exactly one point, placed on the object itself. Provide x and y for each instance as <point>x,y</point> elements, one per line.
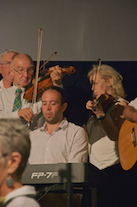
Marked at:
<point>22,69</point>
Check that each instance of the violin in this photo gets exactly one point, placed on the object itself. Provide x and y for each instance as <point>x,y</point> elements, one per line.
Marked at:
<point>44,83</point>
<point>105,100</point>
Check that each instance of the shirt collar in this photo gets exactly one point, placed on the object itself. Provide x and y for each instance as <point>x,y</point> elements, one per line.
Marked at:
<point>15,87</point>
<point>63,125</point>
<point>22,191</point>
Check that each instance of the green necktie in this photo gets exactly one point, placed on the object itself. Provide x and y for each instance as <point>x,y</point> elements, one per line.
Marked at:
<point>17,101</point>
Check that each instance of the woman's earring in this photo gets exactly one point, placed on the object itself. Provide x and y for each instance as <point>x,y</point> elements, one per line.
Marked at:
<point>9,181</point>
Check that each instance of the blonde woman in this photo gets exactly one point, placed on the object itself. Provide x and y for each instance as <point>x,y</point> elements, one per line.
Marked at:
<point>103,133</point>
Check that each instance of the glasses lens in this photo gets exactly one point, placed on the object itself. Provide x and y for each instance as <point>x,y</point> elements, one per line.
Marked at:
<point>21,71</point>
<point>30,70</point>
<point>6,64</point>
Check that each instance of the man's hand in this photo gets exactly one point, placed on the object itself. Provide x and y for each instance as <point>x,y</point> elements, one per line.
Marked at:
<point>26,113</point>
<point>56,75</point>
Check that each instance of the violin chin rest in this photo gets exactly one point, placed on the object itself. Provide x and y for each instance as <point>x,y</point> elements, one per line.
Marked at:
<point>33,81</point>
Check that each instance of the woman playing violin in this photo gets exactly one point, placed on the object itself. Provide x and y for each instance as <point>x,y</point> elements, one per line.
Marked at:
<point>103,133</point>
<point>106,80</point>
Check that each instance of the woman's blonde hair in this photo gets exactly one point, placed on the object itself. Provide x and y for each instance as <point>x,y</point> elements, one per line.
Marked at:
<point>107,72</point>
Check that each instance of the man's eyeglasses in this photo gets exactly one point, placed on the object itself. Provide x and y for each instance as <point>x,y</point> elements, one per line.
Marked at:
<point>6,64</point>
<point>21,70</point>
<point>4,155</point>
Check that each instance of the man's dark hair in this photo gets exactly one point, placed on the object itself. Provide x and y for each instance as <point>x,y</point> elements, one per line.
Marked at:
<point>61,91</point>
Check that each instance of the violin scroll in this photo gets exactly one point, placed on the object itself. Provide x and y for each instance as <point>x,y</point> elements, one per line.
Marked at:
<point>69,70</point>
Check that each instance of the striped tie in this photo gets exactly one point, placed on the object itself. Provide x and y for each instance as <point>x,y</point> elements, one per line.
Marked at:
<point>17,101</point>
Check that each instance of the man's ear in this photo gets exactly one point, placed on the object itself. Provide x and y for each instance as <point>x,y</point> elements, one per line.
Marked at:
<point>64,106</point>
<point>14,162</point>
<point>0,68</point>
<point>11,71</point>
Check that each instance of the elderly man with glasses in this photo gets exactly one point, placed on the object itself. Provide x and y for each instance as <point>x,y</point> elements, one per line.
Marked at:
<point>12,103</point>
<point>5,62</point>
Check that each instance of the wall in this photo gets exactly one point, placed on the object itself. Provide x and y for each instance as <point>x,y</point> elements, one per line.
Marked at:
<point>79,30</point>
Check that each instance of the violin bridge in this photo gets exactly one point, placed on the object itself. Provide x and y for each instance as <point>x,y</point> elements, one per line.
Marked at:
<point>133,137</point>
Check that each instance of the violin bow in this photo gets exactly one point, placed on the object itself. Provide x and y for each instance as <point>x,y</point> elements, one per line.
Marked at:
<point>48,60</point>
<point>40,34</point>
<point>98,67</point>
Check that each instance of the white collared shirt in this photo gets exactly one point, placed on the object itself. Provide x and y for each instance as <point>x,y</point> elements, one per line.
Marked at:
<point>1,85</point>
<point>7,98</point>
<point>133,103</point>
<point>68,143</point>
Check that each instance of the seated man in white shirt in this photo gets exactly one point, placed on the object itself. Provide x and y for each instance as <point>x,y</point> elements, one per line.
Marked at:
<point>58,141</point>
<point>22,68</point>
<point>5,62</point>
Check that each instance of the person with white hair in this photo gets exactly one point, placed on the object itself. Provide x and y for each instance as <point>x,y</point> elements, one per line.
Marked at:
<point>14,152</point>
<point>5,62</point>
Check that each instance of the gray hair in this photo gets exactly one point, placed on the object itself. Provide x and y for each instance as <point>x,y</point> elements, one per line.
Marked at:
<point>107,72</point>
<point>6,52</point>
<point>14,137</point>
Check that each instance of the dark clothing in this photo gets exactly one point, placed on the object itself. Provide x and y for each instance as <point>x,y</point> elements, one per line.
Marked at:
<point>120,190</point>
